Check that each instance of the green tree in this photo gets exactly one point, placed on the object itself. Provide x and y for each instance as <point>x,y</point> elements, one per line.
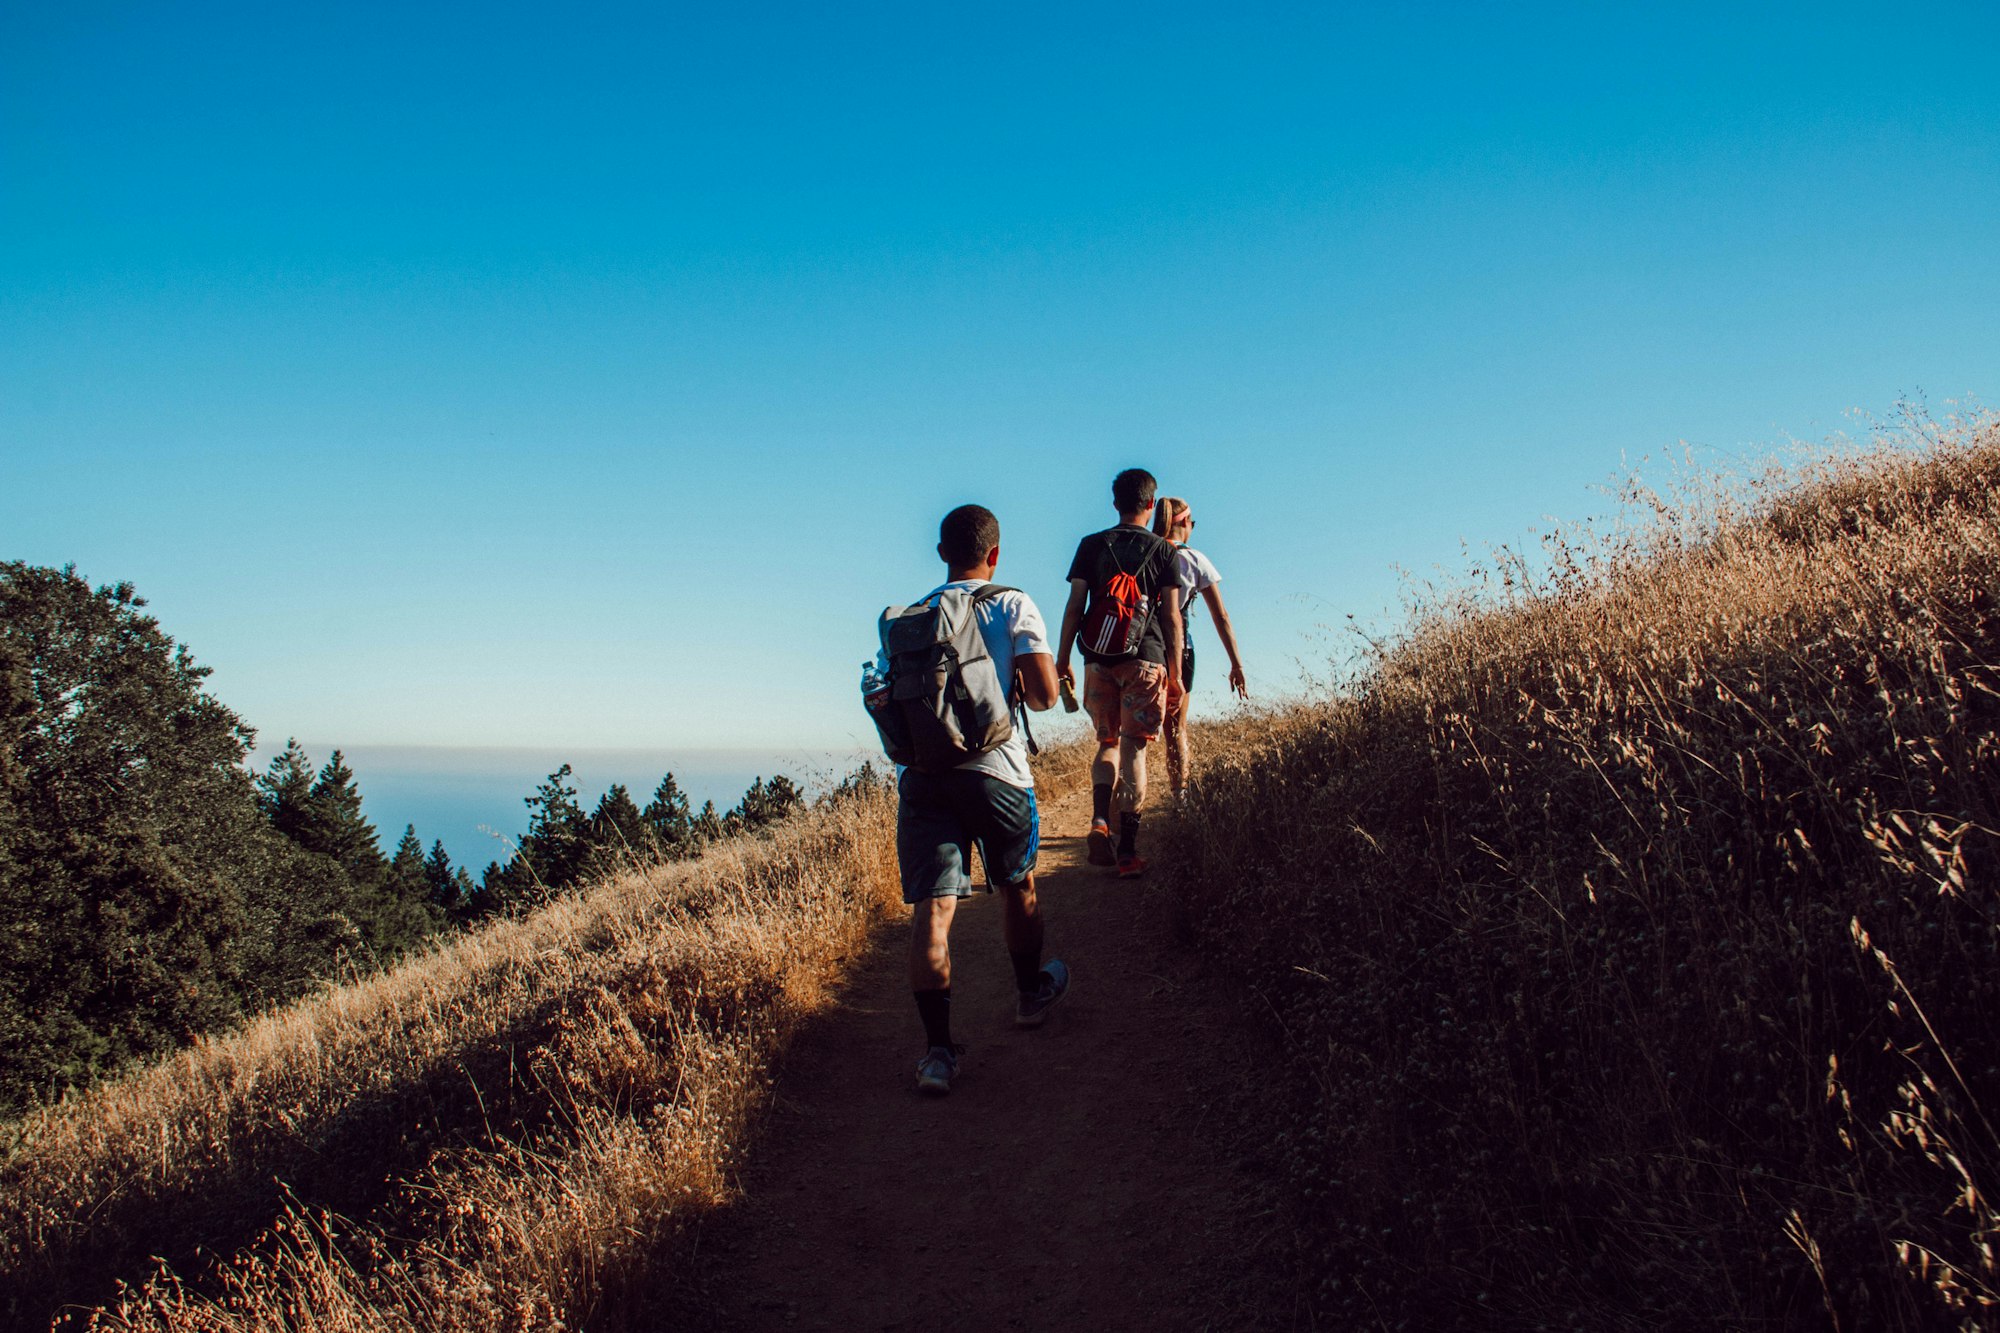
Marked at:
<point>551,853</point>
<point>335,826</point>
<point>400,912</point>
<point>617,834</point>
<point>132,835</point>
<point>449,889</point>
<point>766,803</point>
<point>284,792</point>
<point>669,827</point>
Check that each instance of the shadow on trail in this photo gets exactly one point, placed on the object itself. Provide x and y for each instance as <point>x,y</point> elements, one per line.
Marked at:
<point>1095,1172</point>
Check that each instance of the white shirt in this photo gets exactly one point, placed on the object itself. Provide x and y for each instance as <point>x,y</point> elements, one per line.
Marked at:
<point>1012,627</point>
<point>1195,571</point>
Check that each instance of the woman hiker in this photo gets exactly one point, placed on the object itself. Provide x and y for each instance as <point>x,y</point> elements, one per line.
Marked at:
<point>1174,520</point>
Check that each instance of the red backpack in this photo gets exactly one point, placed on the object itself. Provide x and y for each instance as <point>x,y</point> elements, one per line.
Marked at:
<point>1118,613</point>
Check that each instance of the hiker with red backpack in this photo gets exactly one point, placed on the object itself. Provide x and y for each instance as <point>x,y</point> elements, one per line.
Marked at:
<point>1124,615</point>
<point>954,671</point>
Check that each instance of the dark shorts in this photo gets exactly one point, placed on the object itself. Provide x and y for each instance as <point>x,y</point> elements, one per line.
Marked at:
<point>1187,669</point>
<point>942,814</point>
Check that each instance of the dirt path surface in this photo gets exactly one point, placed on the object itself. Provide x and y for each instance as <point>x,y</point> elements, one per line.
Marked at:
<point>1092,1173</point>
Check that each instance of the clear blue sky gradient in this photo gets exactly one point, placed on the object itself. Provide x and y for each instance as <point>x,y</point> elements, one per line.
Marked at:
<point>506,375</point>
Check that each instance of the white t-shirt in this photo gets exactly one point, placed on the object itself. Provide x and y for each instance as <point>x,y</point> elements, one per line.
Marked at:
<point>1195,571</point>
<point>1012,627</point>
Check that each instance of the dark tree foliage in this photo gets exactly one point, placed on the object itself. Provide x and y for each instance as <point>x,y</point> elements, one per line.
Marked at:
<point>449,890</point>
<point>767,803</point>
<point>551,854</point>
<point>335,826</point>
<point>617,834</point>
<point>564,848</point>
<point>134,838</point>
<point>669,829</point>
<point>150,889</point>
<point>385,910</point>
<point>284,793</point>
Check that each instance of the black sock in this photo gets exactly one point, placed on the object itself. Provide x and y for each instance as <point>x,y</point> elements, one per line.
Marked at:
<point>934,1007</point>
<point>1100,802</point>
<point>1128,832</point>
<point>1027,971</point>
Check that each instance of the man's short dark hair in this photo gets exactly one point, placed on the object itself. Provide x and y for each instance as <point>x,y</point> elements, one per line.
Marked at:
<point>1133,490</point>
<point>967,534</point>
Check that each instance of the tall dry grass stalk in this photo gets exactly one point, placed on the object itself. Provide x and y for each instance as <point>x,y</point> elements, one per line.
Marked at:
<point>1632,927</point>
<point>510,1130</point>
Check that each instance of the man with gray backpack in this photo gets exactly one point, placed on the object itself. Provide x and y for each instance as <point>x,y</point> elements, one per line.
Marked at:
<point>953,672</point>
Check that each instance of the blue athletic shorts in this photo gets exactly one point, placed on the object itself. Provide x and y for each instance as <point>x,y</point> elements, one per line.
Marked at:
<point>942,814</point>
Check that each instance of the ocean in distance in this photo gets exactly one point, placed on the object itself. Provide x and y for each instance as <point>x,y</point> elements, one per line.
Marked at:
<point>473,799</point>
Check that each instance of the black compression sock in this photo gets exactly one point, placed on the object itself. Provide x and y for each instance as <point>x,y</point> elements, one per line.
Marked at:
<point>1100,802</point>
<point>934,1007</point>
<point>1128,832</point>
<point>1027,971</point>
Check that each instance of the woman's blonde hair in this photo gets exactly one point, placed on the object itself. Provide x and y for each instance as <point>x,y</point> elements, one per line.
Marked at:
<point>1170,511</point>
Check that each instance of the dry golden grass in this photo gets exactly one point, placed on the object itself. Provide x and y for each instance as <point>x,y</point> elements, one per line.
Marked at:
<point>513,1131</point>
<point>516,1125</point>
<point>1632,924</point>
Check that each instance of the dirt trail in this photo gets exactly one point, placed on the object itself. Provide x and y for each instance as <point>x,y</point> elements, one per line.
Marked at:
<point>1088,1174</point>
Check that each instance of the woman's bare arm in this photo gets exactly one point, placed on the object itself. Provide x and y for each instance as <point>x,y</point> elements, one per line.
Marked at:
<point>1227,633</point>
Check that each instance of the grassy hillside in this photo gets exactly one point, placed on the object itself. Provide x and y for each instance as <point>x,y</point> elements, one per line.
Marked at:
<point>1631,927</point>
<point>514,1130</point>
<point>509,1131</point>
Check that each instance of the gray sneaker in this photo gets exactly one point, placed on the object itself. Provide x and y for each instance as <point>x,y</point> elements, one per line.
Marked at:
<point>937,1069</point>
<point>1034,1006</point>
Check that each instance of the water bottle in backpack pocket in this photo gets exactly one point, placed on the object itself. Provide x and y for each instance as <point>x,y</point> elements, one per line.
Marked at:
<point>945,702</point>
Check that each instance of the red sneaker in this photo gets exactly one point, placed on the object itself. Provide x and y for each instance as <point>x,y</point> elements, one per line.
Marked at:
<point>1101,851</point>
<point>1132,866</point>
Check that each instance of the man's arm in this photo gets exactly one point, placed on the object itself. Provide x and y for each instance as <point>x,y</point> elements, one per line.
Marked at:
<point>1036,673</point>
<point>1170,606</point>
<point>1072,622</point>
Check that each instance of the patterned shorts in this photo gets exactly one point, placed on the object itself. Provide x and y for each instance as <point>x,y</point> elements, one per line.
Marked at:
<point>1125,699</point>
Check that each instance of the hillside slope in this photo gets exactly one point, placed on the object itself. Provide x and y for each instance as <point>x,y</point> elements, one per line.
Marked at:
<point>1631,928</point>
<point>508,1130</point>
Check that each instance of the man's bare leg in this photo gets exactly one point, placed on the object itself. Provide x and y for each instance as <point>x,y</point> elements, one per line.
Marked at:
<point>1104,768</point>
<point>930,966</point>
<point>1131,773</point>
<point>930,943</point>
<point>1040,984</point>
<point>1103,782</point>
<point>1021,921</point>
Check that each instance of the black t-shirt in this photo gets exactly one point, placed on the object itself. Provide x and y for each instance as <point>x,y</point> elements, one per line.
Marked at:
<point>1149,559</point>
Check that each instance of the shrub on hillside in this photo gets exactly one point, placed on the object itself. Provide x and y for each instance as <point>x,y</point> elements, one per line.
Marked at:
<point>1632,928</point>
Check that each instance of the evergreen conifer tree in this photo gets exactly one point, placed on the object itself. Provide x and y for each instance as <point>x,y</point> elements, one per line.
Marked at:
<point>335,826</point>
<point>446,889</point>
<point>402,914</point>
<point>134,850</point>
<point>668,823</point>
<point>284,792</point>
<point>765,803</point>
<point>617,833</point>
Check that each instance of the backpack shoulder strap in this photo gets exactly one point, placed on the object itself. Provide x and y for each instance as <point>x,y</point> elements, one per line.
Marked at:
<point>992,590</point>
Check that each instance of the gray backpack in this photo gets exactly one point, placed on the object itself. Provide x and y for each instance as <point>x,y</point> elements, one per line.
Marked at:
<point>945,702</point>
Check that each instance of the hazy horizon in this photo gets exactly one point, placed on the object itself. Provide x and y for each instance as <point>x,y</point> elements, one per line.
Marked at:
<point>465,795</point>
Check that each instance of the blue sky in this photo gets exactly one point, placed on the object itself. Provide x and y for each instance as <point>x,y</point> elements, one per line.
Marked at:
<point>495,375</point>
